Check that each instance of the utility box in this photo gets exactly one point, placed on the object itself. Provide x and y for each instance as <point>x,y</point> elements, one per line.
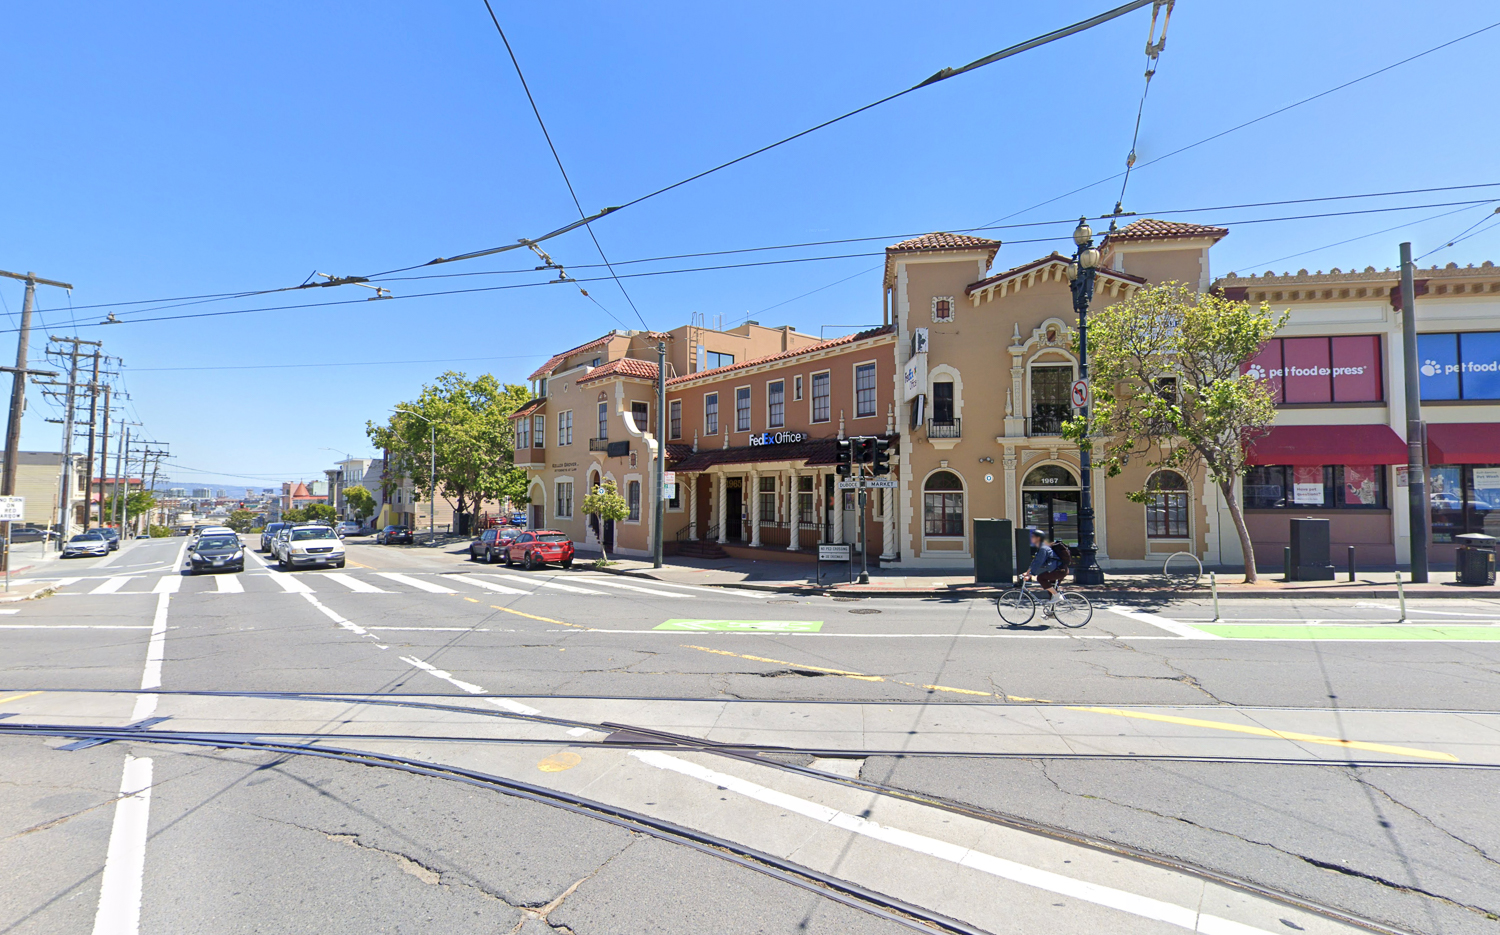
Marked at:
<point>1311,550</point>
<point>1476,558</point>
<point>1024,551</point>
<point>994,562</point>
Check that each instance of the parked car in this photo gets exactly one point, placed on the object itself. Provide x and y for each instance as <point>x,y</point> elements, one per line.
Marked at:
<point>29,534</point>
<point>216,552</point>
<point>309,545</point>
<point>535,549</point>
<point>112,535</point>
<point>86,544</point>
<point>347,528</point>
<point>393,534</point>
<point>492,544</point>
<point>269,533</point>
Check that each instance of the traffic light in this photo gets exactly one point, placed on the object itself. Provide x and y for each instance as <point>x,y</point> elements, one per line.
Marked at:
<point>881,459</point>
<point>845,459</point>
<point>864,450</point>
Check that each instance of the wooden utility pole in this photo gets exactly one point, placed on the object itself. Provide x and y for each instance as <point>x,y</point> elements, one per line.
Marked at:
<point>103,456</point>
<point>66,491</point>
<point>88,482</point>
<point>19,374</point>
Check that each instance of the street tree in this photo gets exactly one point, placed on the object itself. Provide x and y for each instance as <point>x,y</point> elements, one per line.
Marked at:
<point>136,503</point>
<point>241,520</point>
<point>475,441</point>
<point>311,513</point>
<point>605,502</point>
<point>360,502</point>
<point>1168,391</point>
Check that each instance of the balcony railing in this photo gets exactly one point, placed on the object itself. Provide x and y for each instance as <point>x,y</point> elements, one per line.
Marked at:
<point>598,444</point>
<point>952,429</point>
<point>1048,418</point>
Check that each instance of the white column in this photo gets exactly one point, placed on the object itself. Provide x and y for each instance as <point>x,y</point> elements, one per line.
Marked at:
<point>755,508</point>
<point>692,493</point>
<point>791,510</point>
<point>723,500</point>
<point>838,509</point>
<point>888,510</point>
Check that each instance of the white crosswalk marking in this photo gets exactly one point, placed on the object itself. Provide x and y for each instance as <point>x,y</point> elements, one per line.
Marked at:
<point>544,583</point>
<point>229,584</point>
<point>634,587</point>
<point>113,584</point>
<point>416,583</point>
<point>291,585</point>
<point>169,584</point>
<point>353,583</point>
<point>490,585</point>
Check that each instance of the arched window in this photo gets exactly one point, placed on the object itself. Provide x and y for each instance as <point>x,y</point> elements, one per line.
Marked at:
<point>1049,501</point>
<point>1167,506</point>
<point>943,505</point>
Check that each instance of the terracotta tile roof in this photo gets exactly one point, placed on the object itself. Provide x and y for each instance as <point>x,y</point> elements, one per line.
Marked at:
<point>942,240</point>
<point>784,355</point>
<point>1152,229</point>
<point>556,359</point>
<point>624,367</point>
<point>1055,257</point>
<point>528,408</point>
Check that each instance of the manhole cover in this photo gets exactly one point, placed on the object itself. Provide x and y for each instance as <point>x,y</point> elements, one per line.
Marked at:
<point>781,602</point>
<point>864,610</point>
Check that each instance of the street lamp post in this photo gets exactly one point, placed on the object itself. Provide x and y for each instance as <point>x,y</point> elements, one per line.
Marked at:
<point>432,475</point>
<point>1081,274</point>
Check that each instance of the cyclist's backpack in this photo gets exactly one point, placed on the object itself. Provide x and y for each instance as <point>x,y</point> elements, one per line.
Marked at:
<point>1063,553</point>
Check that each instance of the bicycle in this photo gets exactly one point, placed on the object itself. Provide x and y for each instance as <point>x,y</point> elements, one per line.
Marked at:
<point>1018,605</point>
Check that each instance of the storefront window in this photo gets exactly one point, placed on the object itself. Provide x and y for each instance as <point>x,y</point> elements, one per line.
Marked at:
<point>1317,487</point>
<point>1460,366</point>
<point>1167,508</point>
<point>1464,498</point>
<point>805,500</point>
<point>1342,369</point>
<point>768,499</point>
<point>1050,502</point>
<point>943,505</point>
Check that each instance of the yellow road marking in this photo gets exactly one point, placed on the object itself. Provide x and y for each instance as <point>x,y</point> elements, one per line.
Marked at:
<point>1283,734</point>
<point>558,762</point>
<point>471,600</point>
<point>522,613</point>
<point>357,564</point>
<point>18,697</point>
<point>945,688</point>
<point>796,665</point>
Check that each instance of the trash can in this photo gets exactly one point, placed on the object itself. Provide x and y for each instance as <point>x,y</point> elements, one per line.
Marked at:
<point>1311,550</point>
<point>1476,558</point>
<point>994,562</point>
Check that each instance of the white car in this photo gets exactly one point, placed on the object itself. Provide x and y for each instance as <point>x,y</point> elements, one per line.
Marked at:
<point>308,544</point>
<point>348,527</point>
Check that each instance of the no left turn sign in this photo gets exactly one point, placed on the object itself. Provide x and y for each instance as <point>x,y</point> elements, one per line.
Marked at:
<point>1080,393</point>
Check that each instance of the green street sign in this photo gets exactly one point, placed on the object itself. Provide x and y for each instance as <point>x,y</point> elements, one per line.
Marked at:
<point>733,626</point>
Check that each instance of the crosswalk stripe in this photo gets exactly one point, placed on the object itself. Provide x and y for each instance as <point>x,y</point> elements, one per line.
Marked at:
<point>113,584</point>
<point>416,583</point>
<point>633,587</point>
<point>292,585</point>
<point>490,585</point>
<point>353,583</point>
<point>543,583</point>
<point>229,584</point>
<point>168,584</point>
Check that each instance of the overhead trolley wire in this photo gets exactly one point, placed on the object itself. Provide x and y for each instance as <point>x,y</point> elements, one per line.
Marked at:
<point>1154,49</point>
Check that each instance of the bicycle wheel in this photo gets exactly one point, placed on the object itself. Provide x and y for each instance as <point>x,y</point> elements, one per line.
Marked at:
<point>1073,610</point>
<point>1016,607</point>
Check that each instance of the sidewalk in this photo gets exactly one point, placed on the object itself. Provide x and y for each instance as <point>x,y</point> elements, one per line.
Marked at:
<point>798,578</point>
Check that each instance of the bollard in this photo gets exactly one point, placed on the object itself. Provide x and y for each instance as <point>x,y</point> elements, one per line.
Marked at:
<point>1213,584</point>
<point>1401,597</point>
<point>1352,570</point>
<point>1286,563</point>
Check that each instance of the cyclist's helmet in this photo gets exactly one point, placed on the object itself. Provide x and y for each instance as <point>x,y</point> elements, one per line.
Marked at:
<point>1036,533</point>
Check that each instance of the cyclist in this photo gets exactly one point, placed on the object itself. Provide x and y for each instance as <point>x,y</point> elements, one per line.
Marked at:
<point>1049,565</point>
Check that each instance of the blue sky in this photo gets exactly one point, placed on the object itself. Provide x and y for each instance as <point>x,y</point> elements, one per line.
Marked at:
<point>183,149</point>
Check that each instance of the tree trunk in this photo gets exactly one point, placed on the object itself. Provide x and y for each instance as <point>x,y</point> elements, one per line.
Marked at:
<point>603,555</point>
<point>1227,488</point>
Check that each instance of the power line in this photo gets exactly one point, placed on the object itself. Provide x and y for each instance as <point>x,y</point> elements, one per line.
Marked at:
<point>1340,243</point>
<point>1461,235</point>
<point>347,363</point>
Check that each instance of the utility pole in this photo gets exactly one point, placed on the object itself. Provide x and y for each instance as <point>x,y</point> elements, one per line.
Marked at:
<point>103,456</point>
<point>88,482</point>
<point>121,463</point>
<point>661,453</point>
<point>65,494</point>
<point>1416,457</point>
<point>18,391</point>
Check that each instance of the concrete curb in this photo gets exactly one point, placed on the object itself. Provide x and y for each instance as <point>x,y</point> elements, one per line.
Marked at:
<point>16,596</point>
<point>1387,592</point>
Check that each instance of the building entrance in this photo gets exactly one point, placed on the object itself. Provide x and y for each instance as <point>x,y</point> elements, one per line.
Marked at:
<point>1049,502</point>
<point>734,511</point>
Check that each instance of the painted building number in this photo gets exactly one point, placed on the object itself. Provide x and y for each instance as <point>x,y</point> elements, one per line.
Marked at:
<point>1080,394</point>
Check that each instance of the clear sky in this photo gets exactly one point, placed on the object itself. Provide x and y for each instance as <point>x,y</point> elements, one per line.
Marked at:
<point>181,149</point>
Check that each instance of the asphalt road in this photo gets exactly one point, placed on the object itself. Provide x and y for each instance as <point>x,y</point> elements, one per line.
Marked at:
<point>1216,754</point>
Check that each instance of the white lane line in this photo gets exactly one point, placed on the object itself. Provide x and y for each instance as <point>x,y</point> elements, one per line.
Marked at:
<point>169,584</point>
<point>125,862</point>
<point>352,583</point>
<point>291,585</point>
<point>1165,623</point>
<point>1143,906</point>
<point>488,585</point>
<point>145,705</point>
<point>13,610</point>
<point>417,583</point>
<point>332,615</point>
<point>111,585</point>
<point>544,583</point>
<point>636,587</point>
<point>70,626</point>
<point>228,584</point>
<point>470,687</point>
<point>712,634</point>
<point>735,592</point>
<point>449,629</point>
<point>1415,610</point>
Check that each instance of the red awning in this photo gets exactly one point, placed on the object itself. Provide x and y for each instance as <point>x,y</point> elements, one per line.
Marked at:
<point>1313,445</point>
<point>1463,443</point>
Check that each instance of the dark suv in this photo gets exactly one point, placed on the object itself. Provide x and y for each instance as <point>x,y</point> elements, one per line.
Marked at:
<point>491,544</point>
<point>391,535</point>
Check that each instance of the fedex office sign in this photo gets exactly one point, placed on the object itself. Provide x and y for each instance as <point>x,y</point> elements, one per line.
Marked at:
<point>777,438</point>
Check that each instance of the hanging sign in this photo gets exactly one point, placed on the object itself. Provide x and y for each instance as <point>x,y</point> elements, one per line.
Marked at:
<point>914,376</point>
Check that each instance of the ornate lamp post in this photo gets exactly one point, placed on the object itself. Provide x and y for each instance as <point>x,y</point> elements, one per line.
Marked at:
<point>1081,274</point>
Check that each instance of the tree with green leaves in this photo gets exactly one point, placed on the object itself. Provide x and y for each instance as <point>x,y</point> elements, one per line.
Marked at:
<point>136,503</point>
<point>360,502</point>
<point>475,441</point>
<point>1165,369</point>
<point>605,502</point>
<point>241,520</point>
<point>311,513</point>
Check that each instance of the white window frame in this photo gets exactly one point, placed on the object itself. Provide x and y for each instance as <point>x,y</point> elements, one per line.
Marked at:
<point>797,388</point>
<point>539,431</point>
<point>749,406</point>
<point>952,308</point>
<point>640,503</point>
<point>565,427</point>
<point>812,397</point>
<point>770,424</point>
<point>875,385</point>
<point>718,414</point>
<point>674,419</point>
<point>523,432</point>
<point>563,498</point>
<point>644,424</point>
<point>603,426</point>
